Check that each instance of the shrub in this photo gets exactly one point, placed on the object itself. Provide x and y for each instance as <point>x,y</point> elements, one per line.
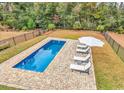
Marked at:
<point>120,30</point>
<point>31,24</point>
<point>51,26</point>
<point>22,22</point>
<point>77,25</point>
<point>11,23</point>
<point>84,26</point>
<point>24,28</point>
<point>100,28</point>
<point>91,26</point>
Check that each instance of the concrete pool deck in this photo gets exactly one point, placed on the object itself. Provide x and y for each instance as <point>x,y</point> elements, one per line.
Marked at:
<point>56,76</point>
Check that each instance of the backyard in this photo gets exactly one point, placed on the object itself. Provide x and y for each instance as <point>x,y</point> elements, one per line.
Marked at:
<point>109,69</point>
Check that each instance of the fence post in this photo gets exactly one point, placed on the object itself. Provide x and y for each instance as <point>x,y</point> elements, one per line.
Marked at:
<point>14,40</point>
<point>39,32</point>
<point>118,49</point>
<point>109,39</point>
<point>25,37</point>
<point>33,34</point>
<point>113,42</point>
<point>106,36</point>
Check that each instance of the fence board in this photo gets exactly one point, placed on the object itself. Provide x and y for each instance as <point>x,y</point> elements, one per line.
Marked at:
<point>108,37</point>
<point>115,46</point>
<point>121,53</point>
<point>29,36</point>
<point>10,40</point>
<point>36,34</point>
<point>111,41</point>
<point>19,39</point>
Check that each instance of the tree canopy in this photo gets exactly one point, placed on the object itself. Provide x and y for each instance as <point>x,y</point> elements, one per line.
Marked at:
<point>91,16</point>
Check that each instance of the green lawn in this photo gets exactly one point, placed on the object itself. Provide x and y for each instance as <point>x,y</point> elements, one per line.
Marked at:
<point>109,69</point>
<point>10,52</point>
<point>2,87</point>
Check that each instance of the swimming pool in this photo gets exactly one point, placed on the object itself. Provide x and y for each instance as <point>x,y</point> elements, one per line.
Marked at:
<point>39,60</point>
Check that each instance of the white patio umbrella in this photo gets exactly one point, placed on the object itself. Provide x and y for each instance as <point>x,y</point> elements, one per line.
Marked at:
<point>91,41</point>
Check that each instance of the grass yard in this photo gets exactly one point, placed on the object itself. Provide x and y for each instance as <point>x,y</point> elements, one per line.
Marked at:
<point>4,35</point>
<point>109,69</point>
<point>2,87</point>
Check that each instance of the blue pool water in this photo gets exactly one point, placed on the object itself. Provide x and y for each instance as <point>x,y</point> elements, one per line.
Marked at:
<point>41,58</point>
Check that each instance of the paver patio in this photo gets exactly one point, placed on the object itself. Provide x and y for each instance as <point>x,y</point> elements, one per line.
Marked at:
<point>56,76</point>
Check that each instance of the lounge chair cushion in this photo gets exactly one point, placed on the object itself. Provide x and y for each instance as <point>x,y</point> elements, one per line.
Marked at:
<point>81,46</point>
<point>82,58</point>
<point>83,50</point>
<point>80,67</point>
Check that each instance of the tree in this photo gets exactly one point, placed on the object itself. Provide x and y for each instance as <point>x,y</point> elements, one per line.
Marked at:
<point>92,16</point>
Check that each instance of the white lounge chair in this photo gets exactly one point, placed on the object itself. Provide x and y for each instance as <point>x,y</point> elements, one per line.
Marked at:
<point>78,58</point>
<point>82,68</point>
<point>83,50</point>
<point>82,46</point>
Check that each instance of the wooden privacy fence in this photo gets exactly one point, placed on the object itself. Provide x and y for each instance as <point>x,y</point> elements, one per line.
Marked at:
<point>116,46</point>
<point>21,38</point>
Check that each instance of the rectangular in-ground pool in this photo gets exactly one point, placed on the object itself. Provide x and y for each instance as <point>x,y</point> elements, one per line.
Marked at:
<point>41,58</point>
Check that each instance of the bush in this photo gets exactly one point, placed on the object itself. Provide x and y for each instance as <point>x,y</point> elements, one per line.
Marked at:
<point>100,28</point>
<point>22,22</point>
<point>31,24</point>
<point>77,25</point>
<point>120,30</point>
<point>11,23</point>
<point>91,26</point>
<point>84,25</point>
<point>24,28</point>
<point>51,26</point>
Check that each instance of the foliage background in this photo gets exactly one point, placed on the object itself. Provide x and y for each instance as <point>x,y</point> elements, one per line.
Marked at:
<point>89,16</point>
